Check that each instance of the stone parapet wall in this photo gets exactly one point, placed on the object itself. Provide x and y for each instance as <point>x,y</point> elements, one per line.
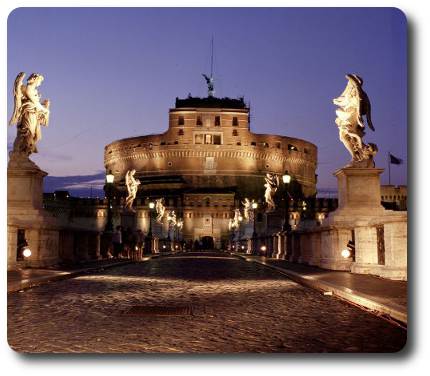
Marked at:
<point>383,255</point>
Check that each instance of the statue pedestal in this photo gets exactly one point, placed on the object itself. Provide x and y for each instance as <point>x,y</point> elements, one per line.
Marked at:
<point>359,190</point>
<point>359,208</point>
<point>360,216</point>
<point>25,185</point>
<point>25,214</point>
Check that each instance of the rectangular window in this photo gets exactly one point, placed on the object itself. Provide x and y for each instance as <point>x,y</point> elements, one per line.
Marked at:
<point>180,132</point>
<point>235,132</point>
<point>217,139</point>
<point>181,120</point>
<point>198,139</point>
<point>235,121</point>
<point>217,121</point>
<point>199,121</point>
<point>208,138</point>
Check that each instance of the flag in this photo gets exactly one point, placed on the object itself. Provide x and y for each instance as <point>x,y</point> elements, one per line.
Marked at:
<point>395,160</point>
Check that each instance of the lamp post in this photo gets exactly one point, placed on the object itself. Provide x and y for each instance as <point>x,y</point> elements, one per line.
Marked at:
<point>149,235</point>
<point>109,188</point>
<point>239,234</point>
<point>286,178</point>
<point>254,233</point>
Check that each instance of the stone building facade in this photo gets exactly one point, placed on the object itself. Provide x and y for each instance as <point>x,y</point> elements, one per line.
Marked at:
<point>206,163</point>
<point>394,197</point>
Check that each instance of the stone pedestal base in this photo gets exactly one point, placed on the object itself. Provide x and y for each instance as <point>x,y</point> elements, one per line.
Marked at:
<point>359,190</point>
<point>380,235</point>
<point>25,212</point>
<point>25,185</point>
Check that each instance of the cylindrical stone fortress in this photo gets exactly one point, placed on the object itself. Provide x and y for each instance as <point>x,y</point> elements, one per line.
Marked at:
<point>209,145</point>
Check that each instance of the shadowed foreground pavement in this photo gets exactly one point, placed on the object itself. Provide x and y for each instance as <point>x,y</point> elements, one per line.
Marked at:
<point>236,306</point>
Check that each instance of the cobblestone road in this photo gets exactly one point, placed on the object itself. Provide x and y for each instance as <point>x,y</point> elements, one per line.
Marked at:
<point>237,306</point>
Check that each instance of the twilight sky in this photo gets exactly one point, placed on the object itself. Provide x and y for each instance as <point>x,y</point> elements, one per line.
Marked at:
<point>113,73</point>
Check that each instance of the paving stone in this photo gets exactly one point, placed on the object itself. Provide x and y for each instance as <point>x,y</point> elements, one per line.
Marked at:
<point>237,307</point>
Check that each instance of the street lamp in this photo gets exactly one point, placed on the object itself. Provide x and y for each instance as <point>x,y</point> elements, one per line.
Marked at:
<point>254,233</point>
<point>286,228</point>
<point>149,235</point>
<point>240,218</point>
<point>109,189</point>
<point>286,178</point>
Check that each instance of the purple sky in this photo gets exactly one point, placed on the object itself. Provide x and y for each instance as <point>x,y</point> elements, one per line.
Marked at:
<point>114,73</point>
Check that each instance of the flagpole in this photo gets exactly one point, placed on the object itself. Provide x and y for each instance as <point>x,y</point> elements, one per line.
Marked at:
<point>389,169</point>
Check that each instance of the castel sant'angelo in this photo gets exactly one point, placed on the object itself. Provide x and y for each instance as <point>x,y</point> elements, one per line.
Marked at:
<point>206,163</point>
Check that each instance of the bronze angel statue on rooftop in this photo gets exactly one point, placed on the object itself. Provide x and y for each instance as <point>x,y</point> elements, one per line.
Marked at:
<point>354,105</point>
<point>29,114</point>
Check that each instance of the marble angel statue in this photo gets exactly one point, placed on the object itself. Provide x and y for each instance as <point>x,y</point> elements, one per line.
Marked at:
<point>160,209</point>
<point>248,212</point>
<point>354,105</point>
<point>271,185</point>
<point>234,222</point>
<point>29,114</point>
<point>171,218</point>
<point>132,185</point>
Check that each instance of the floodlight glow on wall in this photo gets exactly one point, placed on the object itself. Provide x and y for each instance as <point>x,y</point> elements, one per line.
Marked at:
<point>345,253</point>
<point>26,252</point>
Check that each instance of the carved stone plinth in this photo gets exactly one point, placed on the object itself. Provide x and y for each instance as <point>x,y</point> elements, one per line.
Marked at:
<point>25,212</point>
<point>24,185</point>
<point>360,214</point>
<point>359,189</point>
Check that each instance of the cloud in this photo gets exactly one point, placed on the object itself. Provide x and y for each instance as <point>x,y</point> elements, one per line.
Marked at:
<point>96,183</point>
<point>78,185</point>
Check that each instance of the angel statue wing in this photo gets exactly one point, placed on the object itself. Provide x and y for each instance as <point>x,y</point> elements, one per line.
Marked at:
<point>364,102</point>
<point>208,80</point>
<point>17,97</point>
